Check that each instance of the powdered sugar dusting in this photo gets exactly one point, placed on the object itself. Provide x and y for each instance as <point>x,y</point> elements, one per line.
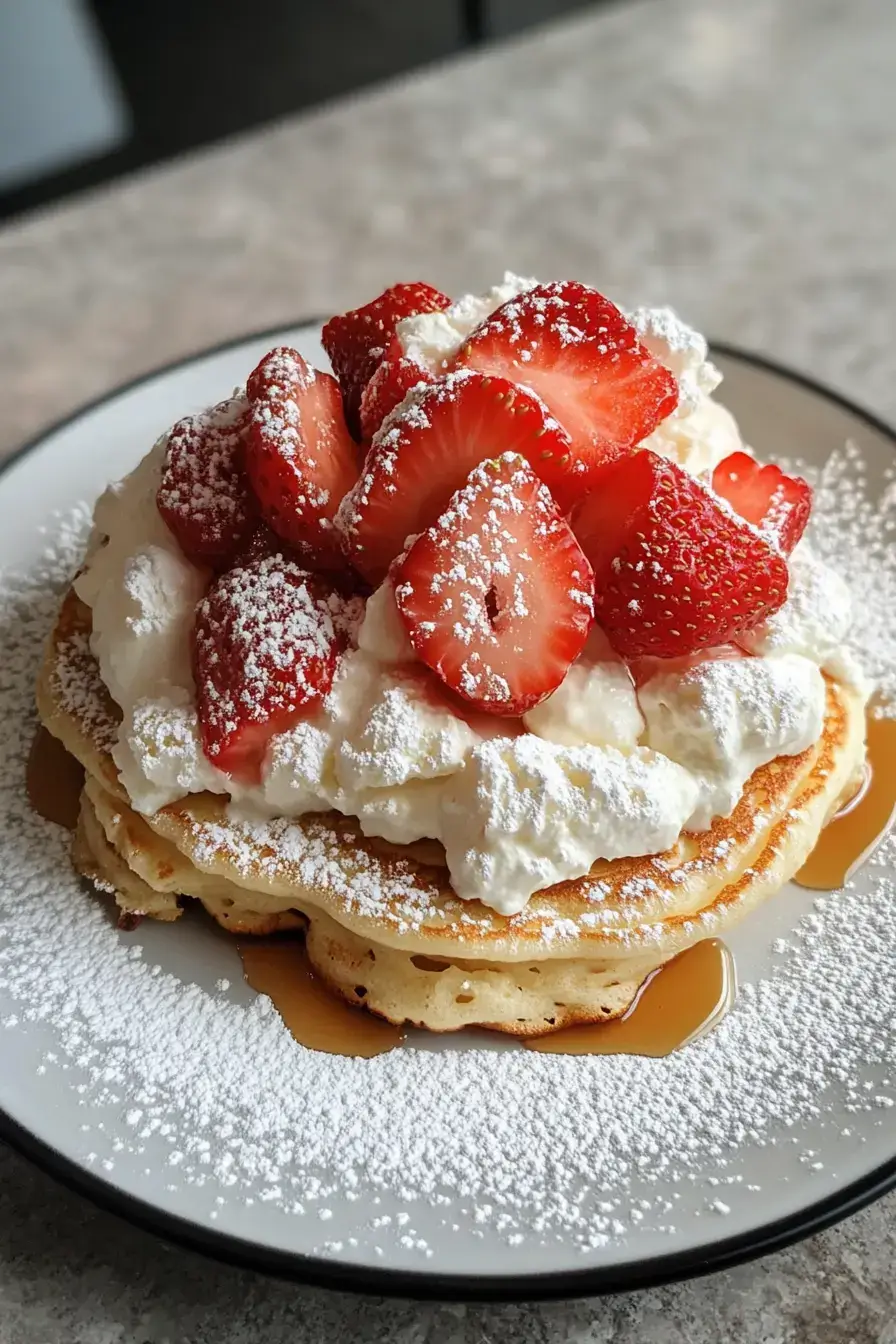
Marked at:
<point>482,1147</point>
<point>473,588</point>
<point>852,529</point>
<point>265,646</point>
<point>204,495</point>
<point>79,694</point>
<point>683,350</point>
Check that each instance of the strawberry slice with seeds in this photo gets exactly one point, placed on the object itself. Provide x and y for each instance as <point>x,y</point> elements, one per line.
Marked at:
<point>264,655</point>
<point>779,505</point>
<point>390,384</point>
<point>674,570</point>
<point>496,595</point>
<point>578,352</point>
<point>204,494</point>
<point>300,458</point>
<point>357,340</point>
<point>428,447</point>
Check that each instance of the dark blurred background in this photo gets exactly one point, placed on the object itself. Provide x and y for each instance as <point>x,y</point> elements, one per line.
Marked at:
<point>91,89</point>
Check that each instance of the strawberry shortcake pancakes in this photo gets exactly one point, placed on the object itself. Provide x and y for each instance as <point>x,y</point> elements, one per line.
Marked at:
<point>491,659</point>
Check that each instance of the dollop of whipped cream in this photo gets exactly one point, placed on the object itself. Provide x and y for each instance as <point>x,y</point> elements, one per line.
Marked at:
<point>525,813</point>
<point>723,718</point>
<point>433,339</point>
<point>599,769</point>
<point>684,352</point>
<point>594,705</point>
<point>700,432</point>
<point>142,589</point>
<point>814,621</point>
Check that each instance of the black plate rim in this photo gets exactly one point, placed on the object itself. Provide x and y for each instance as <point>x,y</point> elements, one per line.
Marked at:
<point>425,1284</point>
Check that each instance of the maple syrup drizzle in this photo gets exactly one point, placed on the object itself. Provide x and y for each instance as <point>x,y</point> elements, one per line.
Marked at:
<point>678,1003</point>
<point>863,822</point>
<point>315,1015</point>
<point>53,780</point>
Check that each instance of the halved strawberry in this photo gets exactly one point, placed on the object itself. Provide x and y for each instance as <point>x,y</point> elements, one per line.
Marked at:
<point>204,494</point>
<point>427,449</point>
<point>390,384</point>
<point>299,457</point>
<point>496,595</point>
<point>578,352</point>
<point>264,654</point>
<point>777,504</point>
<point>357,340</point>
<point>674,571</point>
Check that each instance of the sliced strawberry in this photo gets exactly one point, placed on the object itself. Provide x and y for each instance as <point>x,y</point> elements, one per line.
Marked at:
<point>674,570</point>
<point>264,654</point>
<point>356,341</point>
<point>299,456</point>
<point>427,450</point>
<point>496,595</point>
<point>262,544</point>
<point>390,384</point>
<point>204,494</point>
<point>578,352</point>
<point>777,504</point>
<point>275,373</point>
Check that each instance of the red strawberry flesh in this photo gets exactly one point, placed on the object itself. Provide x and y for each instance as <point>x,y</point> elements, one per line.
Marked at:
<point>584,359</point>
<point>674,571</point>
<point>300,458</point>
<point>779,505</point>
<point>204,494</point>
<point>426,450</point>
<point>389,386</point>
<point>496,595</point>
<point>357,340</point>
<point>264,655</point>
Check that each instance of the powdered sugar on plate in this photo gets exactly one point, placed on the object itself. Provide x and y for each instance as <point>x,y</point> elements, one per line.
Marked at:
<point>852,528</point>
<point>201,1096</point>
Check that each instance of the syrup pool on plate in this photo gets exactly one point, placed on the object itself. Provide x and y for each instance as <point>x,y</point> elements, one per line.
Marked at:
<point>53,780</point>
<point>861,824</point>
<point>315,1015</point>
<point>676,1004</point>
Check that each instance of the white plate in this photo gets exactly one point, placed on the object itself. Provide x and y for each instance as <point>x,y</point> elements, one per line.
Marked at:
<point>76,1095</point>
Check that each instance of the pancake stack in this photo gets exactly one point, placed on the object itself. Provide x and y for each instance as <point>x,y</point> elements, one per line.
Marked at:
<point>384,928</point>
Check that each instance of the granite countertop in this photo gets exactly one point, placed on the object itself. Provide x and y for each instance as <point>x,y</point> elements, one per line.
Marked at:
<point>734,159</point>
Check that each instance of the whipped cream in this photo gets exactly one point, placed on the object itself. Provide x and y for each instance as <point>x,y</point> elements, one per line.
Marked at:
<point>142,589</point>
<point>407,730</point>
<point>684,352</point>
<point>526,813</point>
<point>814,621</point>
<point>723,718</point>
<point>159,754</point>
<point>699,440</point>
<point>433,339</point>
<point>700,432</point>
<point>597,770</point>
<point>382,632</point>
<point>594,705</point>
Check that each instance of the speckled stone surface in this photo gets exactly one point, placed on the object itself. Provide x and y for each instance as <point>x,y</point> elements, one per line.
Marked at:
<point>733,157</point>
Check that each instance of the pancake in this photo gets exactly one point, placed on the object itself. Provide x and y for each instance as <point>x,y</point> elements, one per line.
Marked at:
<point>384,918</point>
